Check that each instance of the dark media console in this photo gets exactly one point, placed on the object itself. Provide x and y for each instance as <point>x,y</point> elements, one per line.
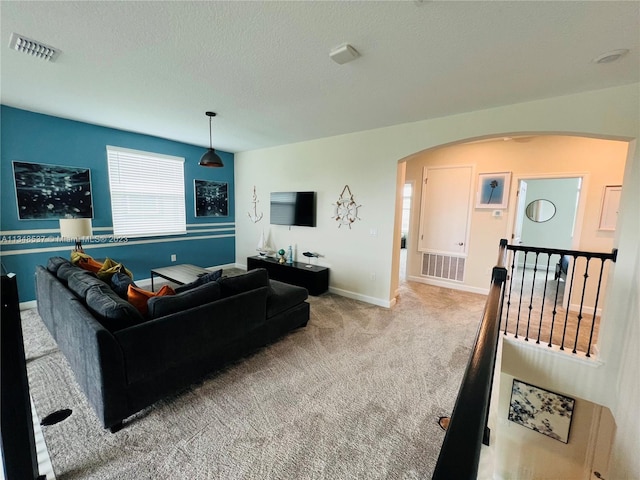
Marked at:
<point>312,277</point>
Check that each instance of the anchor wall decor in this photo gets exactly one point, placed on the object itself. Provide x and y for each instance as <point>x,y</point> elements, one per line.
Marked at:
<point>255,216</point>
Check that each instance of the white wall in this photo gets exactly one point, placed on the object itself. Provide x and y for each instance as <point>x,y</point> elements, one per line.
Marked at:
<point>367,162</point>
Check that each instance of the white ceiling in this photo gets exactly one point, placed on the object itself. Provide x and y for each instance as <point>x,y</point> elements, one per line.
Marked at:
<point>264,67</point>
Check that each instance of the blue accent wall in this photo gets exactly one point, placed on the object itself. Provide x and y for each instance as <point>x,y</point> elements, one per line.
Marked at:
<point>36,138</point>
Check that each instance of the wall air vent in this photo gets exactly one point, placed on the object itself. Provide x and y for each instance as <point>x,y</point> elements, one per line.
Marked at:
<point>443,266</point>
<point>34,48</point>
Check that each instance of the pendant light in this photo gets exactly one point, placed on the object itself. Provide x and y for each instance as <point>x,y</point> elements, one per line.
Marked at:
<point>210,157</point>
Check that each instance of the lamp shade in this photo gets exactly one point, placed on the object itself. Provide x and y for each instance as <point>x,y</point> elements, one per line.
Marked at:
<point>211,159</point>
<point>75,227</point>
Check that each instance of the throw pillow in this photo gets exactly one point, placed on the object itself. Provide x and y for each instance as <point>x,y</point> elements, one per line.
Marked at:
<point>66,270</point>
<point>55,263</point>
<point>243,283</point>
<point>120,284</point>
<point>139,297</point>
<point>206,278</point>
<point>85,261</point>
<point>113,312</point>
<point>109,267</point>
<point>162,306</point>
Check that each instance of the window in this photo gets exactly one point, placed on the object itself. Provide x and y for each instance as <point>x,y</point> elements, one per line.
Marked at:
<point>147,193</point>
<point>406,207</point>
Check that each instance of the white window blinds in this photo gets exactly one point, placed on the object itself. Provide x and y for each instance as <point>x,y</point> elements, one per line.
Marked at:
<point>147,193</point>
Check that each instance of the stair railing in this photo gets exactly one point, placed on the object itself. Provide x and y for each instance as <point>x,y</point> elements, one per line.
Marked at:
<point>467,430</point>
<point>542,295</point>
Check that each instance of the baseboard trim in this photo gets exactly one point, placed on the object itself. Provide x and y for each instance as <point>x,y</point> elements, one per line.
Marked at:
<point>363,298</point>
<point>451,285</point>
<point>574,307</point>
<point>28,305</point>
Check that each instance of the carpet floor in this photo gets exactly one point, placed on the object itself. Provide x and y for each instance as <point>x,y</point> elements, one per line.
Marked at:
<point>355,394</point>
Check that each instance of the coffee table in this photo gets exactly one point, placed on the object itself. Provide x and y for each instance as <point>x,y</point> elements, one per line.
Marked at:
<point>179,274</point>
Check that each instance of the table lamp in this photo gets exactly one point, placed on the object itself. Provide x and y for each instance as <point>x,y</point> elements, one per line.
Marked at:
<point>75,228</point>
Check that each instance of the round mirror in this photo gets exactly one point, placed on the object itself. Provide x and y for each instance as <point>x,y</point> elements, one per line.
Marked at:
<point>540,210</point>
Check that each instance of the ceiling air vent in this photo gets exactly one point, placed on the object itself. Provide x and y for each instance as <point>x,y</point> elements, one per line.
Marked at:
<point>32,47</point>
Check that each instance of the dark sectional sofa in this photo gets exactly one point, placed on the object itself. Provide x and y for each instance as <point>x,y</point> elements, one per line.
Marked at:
<point>125,362</point>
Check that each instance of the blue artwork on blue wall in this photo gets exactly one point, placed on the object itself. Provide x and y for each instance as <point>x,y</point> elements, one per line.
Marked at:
<point>212,198</point>
<point>52,191</point>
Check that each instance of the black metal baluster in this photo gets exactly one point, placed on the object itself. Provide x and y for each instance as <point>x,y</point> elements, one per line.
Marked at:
<point>555,304</point>
<point>595,307</point>
<point>513,264</point>
<point>533,285</point>
<point>524,266</point>
<point>544,294</point>
<point>584,289</point>
<point>566,315</point>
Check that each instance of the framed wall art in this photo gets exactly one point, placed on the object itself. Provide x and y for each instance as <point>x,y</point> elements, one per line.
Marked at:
<point>541,410</point>
<point>493,190</point>
<point>211,198</point>
<point>47,192</point>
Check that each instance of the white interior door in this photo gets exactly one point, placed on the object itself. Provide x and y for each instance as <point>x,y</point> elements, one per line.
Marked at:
<point>444,219</point>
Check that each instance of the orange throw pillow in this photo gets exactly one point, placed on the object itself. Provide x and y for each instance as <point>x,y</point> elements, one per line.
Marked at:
<point>85,261</point>
<point>139,297</point>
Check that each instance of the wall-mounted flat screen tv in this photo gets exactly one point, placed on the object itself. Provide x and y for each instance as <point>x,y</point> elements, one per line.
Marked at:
<point>293,208</point>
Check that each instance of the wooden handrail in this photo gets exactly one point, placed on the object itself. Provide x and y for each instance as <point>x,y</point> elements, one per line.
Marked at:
<point>467,430</point>
<point>574,253</point>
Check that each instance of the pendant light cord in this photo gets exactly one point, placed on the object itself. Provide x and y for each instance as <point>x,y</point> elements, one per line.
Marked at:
<point>210,144</point>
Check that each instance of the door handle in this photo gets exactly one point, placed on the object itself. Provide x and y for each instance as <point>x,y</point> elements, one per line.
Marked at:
<point>461,244</point>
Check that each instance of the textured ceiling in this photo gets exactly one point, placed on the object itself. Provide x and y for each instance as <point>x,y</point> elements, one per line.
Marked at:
<point>264,67</point>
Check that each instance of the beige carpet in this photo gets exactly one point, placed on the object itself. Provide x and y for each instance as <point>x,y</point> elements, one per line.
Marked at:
<point>355,394</point>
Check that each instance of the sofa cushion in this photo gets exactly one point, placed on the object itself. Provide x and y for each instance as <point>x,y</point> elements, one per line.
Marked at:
<point>65,271</point>
<point>111,310</point>
<point>206,278</point>
<point>243,283</point>
<point>166,305</point>
<point>54,264</point>
<point>80,281</point>
<point>138,297</point>
<point>120,284</point>
<point>284,296</point>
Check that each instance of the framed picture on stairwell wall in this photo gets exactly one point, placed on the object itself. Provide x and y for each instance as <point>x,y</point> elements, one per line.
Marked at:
<point>493,190</point>
<point>540,410</point>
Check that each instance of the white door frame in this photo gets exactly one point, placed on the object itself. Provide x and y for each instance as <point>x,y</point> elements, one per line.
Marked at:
<point>580,211</point>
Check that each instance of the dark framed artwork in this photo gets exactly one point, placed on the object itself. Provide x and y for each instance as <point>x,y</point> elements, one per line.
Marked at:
<point>46,192</point>
<point>211,198</point>
<point>541,410</point>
